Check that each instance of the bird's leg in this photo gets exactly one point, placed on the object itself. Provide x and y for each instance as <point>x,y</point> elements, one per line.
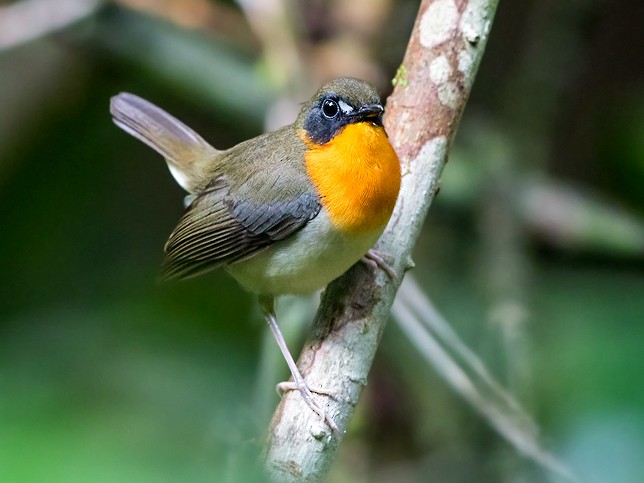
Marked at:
<point>376,259</point>
<point>267,304</point>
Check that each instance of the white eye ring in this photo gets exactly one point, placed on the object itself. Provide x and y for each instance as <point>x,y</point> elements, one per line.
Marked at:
<point>330,108</point>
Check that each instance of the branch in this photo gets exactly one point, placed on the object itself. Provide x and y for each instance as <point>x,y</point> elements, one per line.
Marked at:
<point>431,89</point>
<point>443,349</point>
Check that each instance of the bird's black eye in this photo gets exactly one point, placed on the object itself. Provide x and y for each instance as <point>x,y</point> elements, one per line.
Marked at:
<point>330,108</point>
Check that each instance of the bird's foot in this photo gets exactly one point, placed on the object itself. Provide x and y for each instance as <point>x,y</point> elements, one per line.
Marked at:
<point>377,259</point>
<point>307,395</point>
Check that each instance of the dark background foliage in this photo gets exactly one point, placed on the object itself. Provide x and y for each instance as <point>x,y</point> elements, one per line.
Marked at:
<point>533,250</point>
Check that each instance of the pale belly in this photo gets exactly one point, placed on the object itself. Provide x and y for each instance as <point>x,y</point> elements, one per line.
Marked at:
<point>305,262</point>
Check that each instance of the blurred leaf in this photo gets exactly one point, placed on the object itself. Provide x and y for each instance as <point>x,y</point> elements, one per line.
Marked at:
<point>206,68</point>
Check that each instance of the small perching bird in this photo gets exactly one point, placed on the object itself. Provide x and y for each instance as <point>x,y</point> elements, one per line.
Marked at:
<point>286,212</point>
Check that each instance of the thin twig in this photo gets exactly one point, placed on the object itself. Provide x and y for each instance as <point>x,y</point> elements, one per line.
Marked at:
<point>434,339</point>
<point>413,299</point>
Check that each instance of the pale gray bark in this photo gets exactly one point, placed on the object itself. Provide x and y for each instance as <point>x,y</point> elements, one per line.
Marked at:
<point>432,86</point>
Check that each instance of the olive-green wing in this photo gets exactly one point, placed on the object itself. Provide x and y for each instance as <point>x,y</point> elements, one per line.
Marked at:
<point>219,228</point>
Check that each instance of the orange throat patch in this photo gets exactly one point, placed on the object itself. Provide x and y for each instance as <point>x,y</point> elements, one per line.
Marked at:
<point>357,174</point>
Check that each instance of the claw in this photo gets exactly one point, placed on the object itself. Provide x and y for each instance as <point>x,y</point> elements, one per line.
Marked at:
<point>286,386</point>
<point>298,383</point>
<point>376,259</point>
<point>307,395</point>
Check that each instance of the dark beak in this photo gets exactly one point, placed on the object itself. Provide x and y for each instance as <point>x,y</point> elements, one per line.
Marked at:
<point>371,112</point>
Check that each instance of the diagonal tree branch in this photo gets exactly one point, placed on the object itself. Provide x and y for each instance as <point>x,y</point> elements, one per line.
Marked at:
<point>431,89</point>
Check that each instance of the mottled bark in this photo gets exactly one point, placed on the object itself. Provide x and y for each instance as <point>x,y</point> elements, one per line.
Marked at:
<point>431,88</point>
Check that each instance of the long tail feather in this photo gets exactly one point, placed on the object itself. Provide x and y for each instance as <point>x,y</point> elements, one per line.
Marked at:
<point>183,149</point>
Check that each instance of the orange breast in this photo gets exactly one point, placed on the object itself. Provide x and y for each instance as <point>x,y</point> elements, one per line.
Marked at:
<point>357,174</point>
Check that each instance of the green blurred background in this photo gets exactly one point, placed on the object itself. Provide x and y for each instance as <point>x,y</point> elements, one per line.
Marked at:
<point>533,250</point>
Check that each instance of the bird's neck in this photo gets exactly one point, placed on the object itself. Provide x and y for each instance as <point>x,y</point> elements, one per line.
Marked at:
<point>357,174</point>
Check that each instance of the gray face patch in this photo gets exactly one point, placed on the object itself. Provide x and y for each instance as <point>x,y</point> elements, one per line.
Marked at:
<point>339,103</point>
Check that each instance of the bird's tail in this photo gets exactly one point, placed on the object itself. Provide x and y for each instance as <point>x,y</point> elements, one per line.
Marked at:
<point>184,150</point>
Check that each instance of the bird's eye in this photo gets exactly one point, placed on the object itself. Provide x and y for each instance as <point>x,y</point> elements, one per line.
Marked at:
<point>330,108</point>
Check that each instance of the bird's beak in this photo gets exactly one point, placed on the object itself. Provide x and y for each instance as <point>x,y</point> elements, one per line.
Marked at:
<point>372,112</point>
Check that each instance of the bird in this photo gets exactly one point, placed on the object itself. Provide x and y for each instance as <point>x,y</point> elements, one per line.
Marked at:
<point>285,212</point>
